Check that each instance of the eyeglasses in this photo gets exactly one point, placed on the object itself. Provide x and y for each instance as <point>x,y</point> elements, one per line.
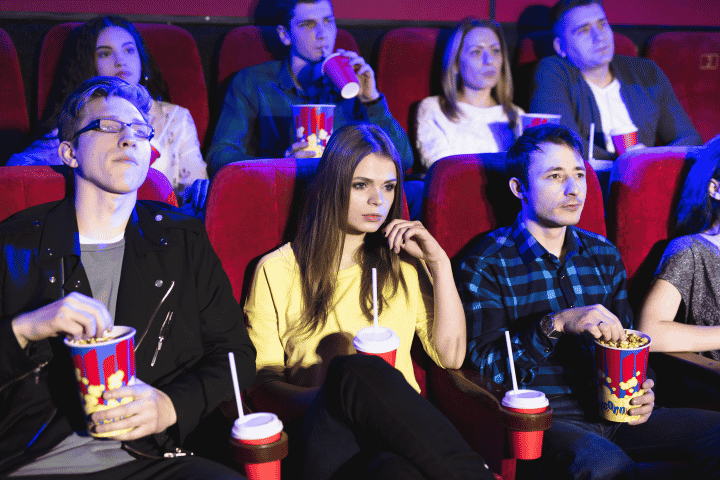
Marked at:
<point>108,125</point>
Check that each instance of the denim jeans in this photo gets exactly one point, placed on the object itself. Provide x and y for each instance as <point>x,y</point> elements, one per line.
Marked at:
<point>598,449</point>
<point>368,422</point>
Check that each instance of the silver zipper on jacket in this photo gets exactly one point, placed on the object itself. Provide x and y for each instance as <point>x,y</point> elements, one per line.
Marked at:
<point>152,317</point>
<point>163,329</point>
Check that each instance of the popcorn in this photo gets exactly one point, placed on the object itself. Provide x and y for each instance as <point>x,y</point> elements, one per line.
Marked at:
<point>104,338</point>
<point>314,145</point>
<point>633,341</point>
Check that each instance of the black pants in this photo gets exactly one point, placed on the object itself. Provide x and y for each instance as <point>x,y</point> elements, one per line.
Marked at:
<point>183,468</point>
<point>368,422</point>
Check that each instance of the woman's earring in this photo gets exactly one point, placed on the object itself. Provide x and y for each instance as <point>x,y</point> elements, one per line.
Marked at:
<point>146,78</point>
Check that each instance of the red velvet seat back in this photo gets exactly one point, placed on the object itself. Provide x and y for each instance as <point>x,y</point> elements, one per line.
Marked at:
<point>405,70</point>
<point>13,110</point>
<point>245,46</point>
<point>644,192</point>
<point>174,51</point>
<point>23,187</point>
<point>539,45</point>
<point>467,196</point>
<point>691,60</point>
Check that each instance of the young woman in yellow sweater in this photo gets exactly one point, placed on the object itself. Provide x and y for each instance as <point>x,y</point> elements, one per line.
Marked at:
<point>360,417</point>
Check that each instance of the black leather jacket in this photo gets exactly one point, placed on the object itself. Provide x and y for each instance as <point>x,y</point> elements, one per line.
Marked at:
<point>169,265</point>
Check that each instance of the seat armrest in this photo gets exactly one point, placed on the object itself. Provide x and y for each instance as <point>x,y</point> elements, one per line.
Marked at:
<point>491,394</point>
<point>686,379</point>
<point>695,361</point>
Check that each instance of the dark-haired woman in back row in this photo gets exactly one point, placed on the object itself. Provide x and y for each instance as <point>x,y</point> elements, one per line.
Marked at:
<point>111,46</point>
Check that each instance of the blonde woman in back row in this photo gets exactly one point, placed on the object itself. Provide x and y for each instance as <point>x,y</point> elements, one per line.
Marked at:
<point>475,113</point>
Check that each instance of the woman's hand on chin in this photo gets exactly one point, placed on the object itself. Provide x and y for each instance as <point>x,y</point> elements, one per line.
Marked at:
<point>414,238</point>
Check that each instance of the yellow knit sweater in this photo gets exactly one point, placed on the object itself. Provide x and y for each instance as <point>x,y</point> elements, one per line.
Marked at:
<point>274,306</point>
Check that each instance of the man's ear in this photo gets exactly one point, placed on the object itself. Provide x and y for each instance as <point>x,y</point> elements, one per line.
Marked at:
<point>67,154</point>
<point>713,189</point>
<point>517,189</point>
<point>284,35</point>
<point>558,46</point>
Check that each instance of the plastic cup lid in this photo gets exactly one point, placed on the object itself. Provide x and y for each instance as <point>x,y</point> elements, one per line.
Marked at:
<point>541,115</point>
<point>525,399</point>
<point>376,340</point>
<point>623,131</point>
<point>256,426</point>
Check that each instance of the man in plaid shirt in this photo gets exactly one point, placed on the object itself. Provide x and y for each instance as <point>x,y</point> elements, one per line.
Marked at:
<point>555,288</point>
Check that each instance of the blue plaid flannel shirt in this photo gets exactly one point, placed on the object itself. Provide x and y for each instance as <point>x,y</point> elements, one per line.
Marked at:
<point>509,282</point>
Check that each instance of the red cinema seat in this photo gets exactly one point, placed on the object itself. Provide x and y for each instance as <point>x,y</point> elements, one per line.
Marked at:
<point>645,189</point>
<point>23,187</point>
<point>467,196</point>
<point>240,195</point>
<point>14,122</point>
<point>249,45</point>
<point>174,51</point>
<point>244,192</point>
<point>691,60</point>
<point>404,74</point>
<point>539,45</point>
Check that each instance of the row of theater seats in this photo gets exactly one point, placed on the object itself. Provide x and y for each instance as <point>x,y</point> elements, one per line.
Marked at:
<point>407,69</point>
<point>466,196</point>
<point>175,52</point>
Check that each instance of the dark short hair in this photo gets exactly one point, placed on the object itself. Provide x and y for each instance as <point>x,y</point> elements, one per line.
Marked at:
<point>71,115</point>
<point>697,210</point>
<point>558,11</point>
<point>285,10</point>
<point>518,155</point>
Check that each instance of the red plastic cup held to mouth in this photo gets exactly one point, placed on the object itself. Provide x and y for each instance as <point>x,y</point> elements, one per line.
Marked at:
<point>338,69</point>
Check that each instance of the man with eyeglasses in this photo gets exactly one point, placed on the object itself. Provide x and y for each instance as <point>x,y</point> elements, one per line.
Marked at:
<point>98,258</point>
<point>587,83</point>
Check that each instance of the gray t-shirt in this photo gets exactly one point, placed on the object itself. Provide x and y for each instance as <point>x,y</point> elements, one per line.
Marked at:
<point>103,264</point>
<point>80,453</point>
<point>692,265</point>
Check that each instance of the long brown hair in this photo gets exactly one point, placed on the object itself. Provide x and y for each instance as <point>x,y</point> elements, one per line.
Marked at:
<point>502,93</point>
<point>82,65</point>
<point>319,243</point>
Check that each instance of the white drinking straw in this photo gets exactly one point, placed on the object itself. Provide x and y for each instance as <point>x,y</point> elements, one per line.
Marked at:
<point>590,141</point>
<point>236,385</point>
<point>374,278</point>
<point>512,361</point>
